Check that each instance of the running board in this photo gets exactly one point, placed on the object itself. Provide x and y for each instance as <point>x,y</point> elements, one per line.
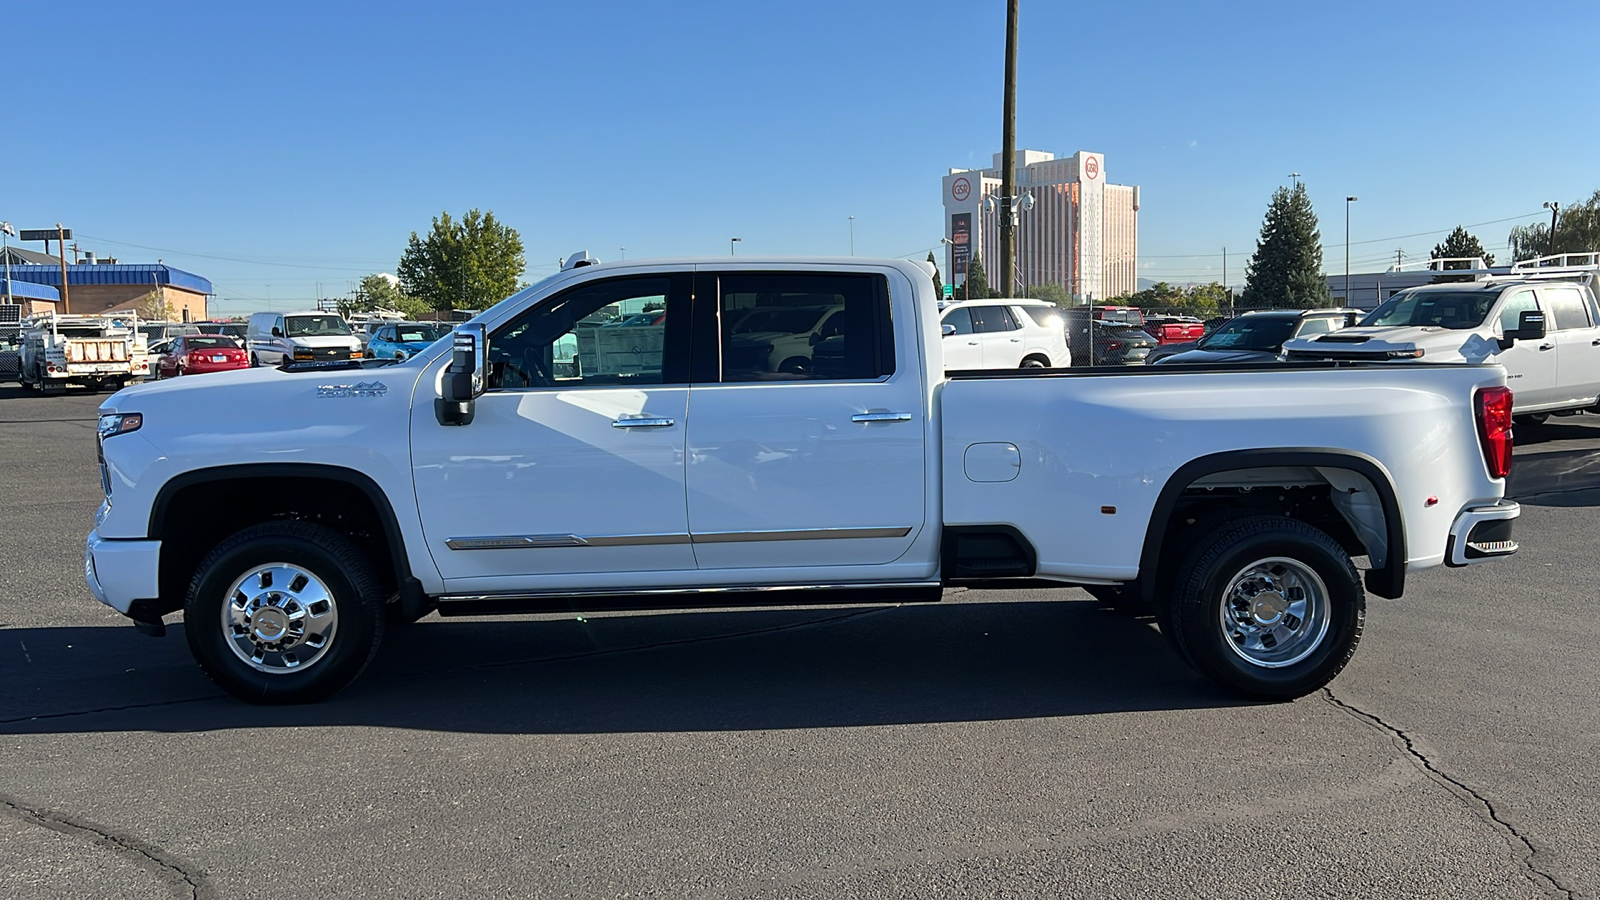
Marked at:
<point>698,598</point>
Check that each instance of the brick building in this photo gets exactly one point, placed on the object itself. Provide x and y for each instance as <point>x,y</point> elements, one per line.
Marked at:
<point>95,287</point>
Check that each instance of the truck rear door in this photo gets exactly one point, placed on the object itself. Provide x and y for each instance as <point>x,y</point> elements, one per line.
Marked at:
<point>1577,340</point>
<point>821,468</point>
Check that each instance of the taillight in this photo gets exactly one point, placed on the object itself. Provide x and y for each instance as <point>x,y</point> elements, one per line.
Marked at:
<point>1494,429</point>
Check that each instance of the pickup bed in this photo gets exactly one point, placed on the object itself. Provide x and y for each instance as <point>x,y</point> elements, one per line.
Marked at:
<point>544,459</point>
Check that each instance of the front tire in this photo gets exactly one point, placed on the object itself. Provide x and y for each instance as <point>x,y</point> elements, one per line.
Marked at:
<point>284,612</point>
<point>1269,607</point>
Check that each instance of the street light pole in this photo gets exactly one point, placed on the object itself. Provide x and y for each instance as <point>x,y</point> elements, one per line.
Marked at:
<point>1347,202</point>
<point>731,242</point>
<point>5,248</point>
<point>1008,154</point>
<point>1552,206</point>
<point>852,235</point>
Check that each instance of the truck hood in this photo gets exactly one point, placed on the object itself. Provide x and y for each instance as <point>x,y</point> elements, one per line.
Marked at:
<point>1219,356</point>
<point>1402,342</point>
<point>262,394</point>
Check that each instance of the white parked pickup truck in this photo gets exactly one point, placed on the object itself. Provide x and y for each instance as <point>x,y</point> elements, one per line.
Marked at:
<point>516,472</point>
<point>1542,326</point>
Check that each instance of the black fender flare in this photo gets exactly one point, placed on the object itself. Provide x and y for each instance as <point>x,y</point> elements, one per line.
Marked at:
<point>1388,581</point>
<point>359,480</point>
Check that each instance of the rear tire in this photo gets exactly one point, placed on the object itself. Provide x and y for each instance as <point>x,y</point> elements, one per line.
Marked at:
<point>1035,362</point>
<point>1267,606</point>
<point>284,612</point>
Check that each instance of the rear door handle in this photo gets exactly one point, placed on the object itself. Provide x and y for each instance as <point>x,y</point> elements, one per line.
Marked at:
<point>642,422</point>
<point>881,417</point>
<point>1595,342</point>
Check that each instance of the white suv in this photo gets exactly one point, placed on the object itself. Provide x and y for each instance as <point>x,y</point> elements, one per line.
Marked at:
<point>1004,334</point>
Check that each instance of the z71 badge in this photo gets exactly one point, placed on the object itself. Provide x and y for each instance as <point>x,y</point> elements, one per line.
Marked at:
<point>359,389</point>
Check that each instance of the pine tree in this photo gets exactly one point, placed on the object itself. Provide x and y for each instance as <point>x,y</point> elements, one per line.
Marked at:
<point>938,286</point>
<point>1458,245</point>
<point>976,287</point>
<point>1286,270</point>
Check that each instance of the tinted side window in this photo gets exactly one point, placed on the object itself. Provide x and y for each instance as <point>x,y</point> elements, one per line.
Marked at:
<point>801,326</point>
<point>961,318</point>
<point>993,318</point>
<point>1518,302</point>
<point>1566,306</point>
<point>613,332</point>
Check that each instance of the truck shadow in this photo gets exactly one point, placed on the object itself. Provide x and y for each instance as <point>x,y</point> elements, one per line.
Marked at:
<point>1556,478</point>
<point>698,671</point>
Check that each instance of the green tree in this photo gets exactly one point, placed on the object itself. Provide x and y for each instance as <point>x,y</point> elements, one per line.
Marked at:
<point>470,264</point>
<point>1577,231</point>
<point>1050,293</point>
<point>976,287</point>
<point>378,292</point>
<point>1286,270</point>
<point>155,307</point>
<point>938,286</point>
<point>1461,244</point>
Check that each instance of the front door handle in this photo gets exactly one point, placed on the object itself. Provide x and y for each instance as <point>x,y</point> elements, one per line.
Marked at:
<point>1595,342</point>
<point>881,417</point>
<point>1547,346</point>
<point>642,422</point>
<point>1016,340</point>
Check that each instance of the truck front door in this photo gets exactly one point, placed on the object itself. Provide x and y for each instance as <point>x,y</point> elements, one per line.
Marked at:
<point>574,462</point>
<point>824,468</point>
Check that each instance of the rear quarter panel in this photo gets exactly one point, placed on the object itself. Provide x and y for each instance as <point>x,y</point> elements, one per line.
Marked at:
<point>1091,440</point>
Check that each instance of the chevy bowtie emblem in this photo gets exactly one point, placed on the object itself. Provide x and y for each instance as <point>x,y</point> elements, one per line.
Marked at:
<point>359,389</point>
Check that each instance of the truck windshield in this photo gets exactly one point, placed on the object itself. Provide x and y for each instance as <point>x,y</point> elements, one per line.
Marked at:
<point>1440,309</point>
<point>1250,333</point>
<point>314,326</point>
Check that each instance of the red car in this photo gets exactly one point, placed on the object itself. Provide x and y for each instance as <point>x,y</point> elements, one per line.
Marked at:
<point>195,354</point>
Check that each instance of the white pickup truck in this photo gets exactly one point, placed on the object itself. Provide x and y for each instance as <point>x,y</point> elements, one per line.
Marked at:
<point>512,474</point>
<point>1543,325</point>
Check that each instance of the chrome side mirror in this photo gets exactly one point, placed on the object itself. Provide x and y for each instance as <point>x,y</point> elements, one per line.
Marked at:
<point>464,379</point>
<point>947,329</point>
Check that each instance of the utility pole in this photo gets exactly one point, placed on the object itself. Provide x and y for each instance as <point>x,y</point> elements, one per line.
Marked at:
<point>1553,207</point>
<point>1225,289</point>
<point>1397,256</point>
<point>6,231</point>
<point>66,299</point>
<point>852,235</point>
<point>1008,154</point>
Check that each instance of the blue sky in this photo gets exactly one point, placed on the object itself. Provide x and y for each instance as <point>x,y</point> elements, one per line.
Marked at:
<point>286,149</point>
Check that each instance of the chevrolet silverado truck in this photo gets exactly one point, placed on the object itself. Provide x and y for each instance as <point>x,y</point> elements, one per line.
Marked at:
<point>506,470</point>
<point>1541,324</point>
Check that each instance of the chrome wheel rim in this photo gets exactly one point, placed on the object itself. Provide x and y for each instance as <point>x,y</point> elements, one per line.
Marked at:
<point>1274,612</point>
<point>279,618</point>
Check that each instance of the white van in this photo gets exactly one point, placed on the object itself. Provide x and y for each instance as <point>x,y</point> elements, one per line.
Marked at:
<point>276,338</point>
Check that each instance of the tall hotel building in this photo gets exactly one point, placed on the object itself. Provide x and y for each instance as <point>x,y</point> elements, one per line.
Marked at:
<point>1081,233</point>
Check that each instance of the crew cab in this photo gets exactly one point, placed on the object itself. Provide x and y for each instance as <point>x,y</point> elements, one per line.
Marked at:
<point>1546,332</point>
<point>524,466</point>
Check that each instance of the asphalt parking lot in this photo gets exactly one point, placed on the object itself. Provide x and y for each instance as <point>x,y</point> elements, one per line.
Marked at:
<point>1012,744</point>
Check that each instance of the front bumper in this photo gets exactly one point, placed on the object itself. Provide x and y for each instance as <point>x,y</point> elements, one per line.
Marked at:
<point>121,572</point>
<point>1482,533</point>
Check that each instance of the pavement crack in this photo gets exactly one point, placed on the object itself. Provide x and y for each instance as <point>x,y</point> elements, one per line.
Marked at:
<point>106,709</point>
<point>1481,805</point>
<point>198,884</point>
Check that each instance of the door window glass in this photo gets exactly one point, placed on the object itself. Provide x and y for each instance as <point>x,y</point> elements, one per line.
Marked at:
<point>961,318</point>
<point>603,333</point>
<point>1566,307</point>
<point>802,326</point>
<point>993,318</point>
<point>1315,326</point>
<point>1509,314</point>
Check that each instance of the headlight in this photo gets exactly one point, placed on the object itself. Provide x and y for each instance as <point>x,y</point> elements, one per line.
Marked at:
<point>113,424</point>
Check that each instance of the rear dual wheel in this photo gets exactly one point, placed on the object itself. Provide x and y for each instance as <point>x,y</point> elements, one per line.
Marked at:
<point>1267,606</point>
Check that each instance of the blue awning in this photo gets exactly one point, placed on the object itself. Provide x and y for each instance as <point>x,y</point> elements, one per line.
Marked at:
<point>29,291</point>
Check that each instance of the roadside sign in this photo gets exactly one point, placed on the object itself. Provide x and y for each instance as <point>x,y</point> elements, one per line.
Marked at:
<point>949,290</point>
<point>45,234</point>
